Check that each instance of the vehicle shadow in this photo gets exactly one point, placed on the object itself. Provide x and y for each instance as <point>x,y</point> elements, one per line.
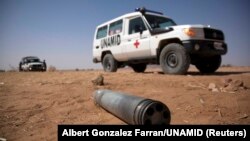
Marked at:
<point>195,73</point>
<point>220,73</point>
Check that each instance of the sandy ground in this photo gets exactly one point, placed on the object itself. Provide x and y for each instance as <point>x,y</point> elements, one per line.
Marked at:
<point>32,104</point>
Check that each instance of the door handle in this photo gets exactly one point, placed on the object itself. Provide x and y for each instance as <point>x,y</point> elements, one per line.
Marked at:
<point>129,40</point>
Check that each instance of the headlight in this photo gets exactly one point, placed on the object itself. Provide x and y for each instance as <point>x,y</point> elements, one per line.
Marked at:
<point>190,32</point>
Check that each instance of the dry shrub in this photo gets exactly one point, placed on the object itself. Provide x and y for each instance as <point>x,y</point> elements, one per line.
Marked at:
<point>52,68</point>
<point>13,69</point>
<point>226,65</point>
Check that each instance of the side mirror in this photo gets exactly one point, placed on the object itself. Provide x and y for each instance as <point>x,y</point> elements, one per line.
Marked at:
<point>141,30</point>
<point>138,28</point>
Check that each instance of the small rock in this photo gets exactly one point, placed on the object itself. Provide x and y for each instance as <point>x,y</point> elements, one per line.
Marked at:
<point>68,82</point>
<point>219,112</point>
<point>243,116</point>
<point>226,81</point>
<point>99,80</point>
<point>215,90</point>
<point>3,139</point>
<point>238,83</point>
<point>222,89</point>
<point>235,86</point>
<point>43,83</point>
<point>243,88</point>
<point>1,83</point>
<point>155,72</point>
<point>202,101</point>
<point>211,86</point>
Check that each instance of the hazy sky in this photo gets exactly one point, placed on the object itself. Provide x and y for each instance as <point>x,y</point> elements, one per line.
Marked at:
<point>61,31</point>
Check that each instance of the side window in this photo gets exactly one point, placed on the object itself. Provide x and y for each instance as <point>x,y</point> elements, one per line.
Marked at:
<point>102,32</point>
<point>136,25</point>
<point>115,27</point>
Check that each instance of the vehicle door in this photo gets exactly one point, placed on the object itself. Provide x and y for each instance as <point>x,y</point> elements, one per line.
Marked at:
<point>137,39</point>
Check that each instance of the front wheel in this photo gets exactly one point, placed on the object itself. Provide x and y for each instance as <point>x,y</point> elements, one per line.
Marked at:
<point>20,67</point>
<point>139,67</point>
<point>174,59</point>
<point>208,64</point>
<point>109,63</point>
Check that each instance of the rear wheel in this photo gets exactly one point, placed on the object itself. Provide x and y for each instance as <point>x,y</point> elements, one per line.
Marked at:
<point>208,64</point>
<point>44,66</point>
<point>109,63</point>
<point>139,67</point>
<point>174,59</point>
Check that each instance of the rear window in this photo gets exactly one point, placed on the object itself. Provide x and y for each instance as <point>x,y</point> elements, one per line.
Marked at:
<point>115,27</point>
<point>102,32</point>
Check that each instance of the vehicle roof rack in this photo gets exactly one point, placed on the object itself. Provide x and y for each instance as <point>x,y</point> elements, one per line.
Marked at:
<point>143,10</point>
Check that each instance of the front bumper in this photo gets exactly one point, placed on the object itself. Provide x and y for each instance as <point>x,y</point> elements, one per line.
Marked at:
<point>205,47</point>
<point>37,68</point>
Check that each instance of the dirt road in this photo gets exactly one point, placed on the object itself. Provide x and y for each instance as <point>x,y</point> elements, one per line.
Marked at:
<point>32,104</point>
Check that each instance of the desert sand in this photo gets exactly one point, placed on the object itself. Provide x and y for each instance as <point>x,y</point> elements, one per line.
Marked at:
<point>32,104</point>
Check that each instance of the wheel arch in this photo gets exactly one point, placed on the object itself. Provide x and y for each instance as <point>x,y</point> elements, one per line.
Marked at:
<point>104,53</point>
<point>163,43</point>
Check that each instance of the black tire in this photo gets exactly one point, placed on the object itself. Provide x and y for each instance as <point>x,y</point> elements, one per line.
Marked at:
<point>139,67</point>
<point>174,59</point>
<point>109,63</point>
<point>208,64</point>
<point>20,67</point>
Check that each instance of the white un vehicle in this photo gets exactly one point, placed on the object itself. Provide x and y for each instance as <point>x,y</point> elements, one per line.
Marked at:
<point>32,63</point>
<point>148,37</point>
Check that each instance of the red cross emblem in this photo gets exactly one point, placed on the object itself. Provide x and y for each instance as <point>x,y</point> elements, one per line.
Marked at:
<point>136,44</point>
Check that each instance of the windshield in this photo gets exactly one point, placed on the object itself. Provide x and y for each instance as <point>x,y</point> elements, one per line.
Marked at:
<point>32,60</point>
<point>159,22</point>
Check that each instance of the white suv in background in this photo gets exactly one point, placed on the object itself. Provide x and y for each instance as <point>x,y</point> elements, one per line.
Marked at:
<point>148,37</point>
<point>32,63</point>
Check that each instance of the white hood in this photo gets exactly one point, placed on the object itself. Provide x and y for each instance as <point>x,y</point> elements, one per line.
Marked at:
<point>35,63</point>
<point>189,26</point>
